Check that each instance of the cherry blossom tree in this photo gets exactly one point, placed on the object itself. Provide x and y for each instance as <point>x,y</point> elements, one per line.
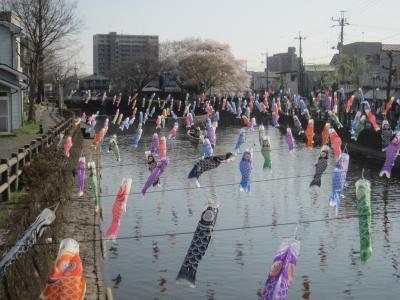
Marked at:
<point>204,66</point>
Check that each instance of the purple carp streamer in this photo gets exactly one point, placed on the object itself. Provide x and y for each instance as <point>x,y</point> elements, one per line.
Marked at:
<point>280,276</point>
<point>290,139</point>
<point>155,175</point>
<point>392,150</point>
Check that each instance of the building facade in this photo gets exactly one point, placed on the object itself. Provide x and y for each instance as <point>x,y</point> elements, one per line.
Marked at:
<point>284,62</point>
<point>262,81</point>
<point>95,83</point>
<point>286,67</point>
<point>112,49</point>
<point>11,79</point>
<point>318,77</point>
<point>375,74</point>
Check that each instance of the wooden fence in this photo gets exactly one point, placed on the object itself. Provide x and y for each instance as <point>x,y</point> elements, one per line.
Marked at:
<point>11,169</point>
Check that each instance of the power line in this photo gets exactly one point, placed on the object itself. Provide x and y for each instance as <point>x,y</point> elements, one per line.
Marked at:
<point>365,6</point>
<point>178,159</point>
<point>220,229</point>
<point>214,186</point>
<point>189,188</point>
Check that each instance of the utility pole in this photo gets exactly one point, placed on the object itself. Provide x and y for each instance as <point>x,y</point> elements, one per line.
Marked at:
<point>389,83</point>
<point>301,77</point>
<point>266,66</point>
<point>342,22</point>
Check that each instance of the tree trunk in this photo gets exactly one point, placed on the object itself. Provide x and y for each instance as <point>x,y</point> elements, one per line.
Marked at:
<point>32,89</point>
<point>31,103</point>
<point>40,79</point>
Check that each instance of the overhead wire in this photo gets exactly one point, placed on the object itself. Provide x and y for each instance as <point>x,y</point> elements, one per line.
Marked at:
<point>170,234</point>
<point>195,188</point>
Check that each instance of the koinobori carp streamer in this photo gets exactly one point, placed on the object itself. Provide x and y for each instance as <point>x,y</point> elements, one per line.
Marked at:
<point>198,246</point>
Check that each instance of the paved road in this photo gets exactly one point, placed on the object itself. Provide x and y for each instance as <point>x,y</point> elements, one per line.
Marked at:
<point>10,144</point>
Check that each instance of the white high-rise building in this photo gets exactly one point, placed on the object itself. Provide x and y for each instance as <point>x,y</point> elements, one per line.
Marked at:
<point>112,49</point>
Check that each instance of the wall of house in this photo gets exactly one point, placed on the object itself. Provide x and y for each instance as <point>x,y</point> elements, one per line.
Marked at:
<point>16,116</point>
<point>5,46</point>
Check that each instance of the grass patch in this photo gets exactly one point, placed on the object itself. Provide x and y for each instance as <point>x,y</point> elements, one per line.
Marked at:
<point>5,213</point>
<point>15,196</point>
<point>27,128</point>
<point>4,216</point>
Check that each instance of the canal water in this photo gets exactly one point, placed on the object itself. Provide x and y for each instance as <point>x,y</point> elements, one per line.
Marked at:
<point>237,261</point>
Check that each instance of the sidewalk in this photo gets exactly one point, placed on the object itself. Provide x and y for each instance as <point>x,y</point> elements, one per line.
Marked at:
<point>48,118</point>
<point>83,224</point>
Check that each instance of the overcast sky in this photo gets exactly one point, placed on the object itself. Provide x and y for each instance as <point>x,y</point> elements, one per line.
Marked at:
<point>250,27</point>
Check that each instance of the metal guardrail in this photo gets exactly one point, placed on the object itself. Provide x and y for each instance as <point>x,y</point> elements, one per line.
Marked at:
<point>11,169</point>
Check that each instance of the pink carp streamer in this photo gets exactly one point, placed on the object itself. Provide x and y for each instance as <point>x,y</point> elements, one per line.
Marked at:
<point>162,148</point>
<point>172,133</point>
<point>119,208</point>
<point>67,146</point>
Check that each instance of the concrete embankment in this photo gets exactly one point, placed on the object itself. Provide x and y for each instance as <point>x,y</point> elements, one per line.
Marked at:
<point>82,223</point>
<point>51,180</point>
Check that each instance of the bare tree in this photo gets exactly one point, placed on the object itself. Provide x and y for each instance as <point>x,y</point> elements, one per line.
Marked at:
<point>201,72</point>
<point>138,73</point>
<point>46,23</point>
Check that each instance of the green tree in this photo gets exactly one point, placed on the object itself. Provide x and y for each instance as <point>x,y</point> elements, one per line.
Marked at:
<point>349,68</point>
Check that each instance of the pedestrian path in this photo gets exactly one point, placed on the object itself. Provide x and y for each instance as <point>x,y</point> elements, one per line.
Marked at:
<point>9,144</point>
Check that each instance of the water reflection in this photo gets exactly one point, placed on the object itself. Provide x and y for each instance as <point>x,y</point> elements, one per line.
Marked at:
<point>306,287</point>
<point>174,218</point>
<point>322,256</point>
<point>246,216</point>
<point>163,284</point>
<point>113,252</point>
<point>172,240</point>
<point>239,253</point>
<point>156,251</point>
<point>386,222</point>
<point>347,292</point>
<point>211,292</point>
<point>138,224</point>
<point>117,280</point>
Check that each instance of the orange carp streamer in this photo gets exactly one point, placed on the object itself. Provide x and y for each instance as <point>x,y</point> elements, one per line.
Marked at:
<point>310,134</point>
<point>66,279</point>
